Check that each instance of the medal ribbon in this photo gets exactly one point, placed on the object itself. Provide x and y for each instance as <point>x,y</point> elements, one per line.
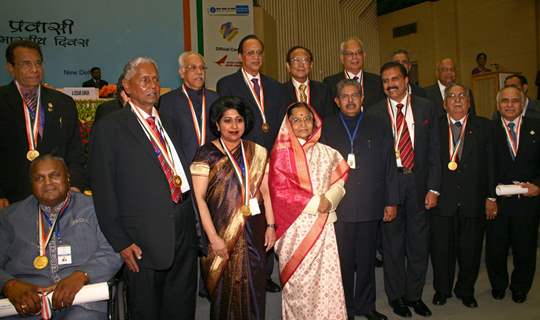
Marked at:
<point>162,146</point>
<point>244,181</point>
<point>45,238</point>
<point>453,149</point>
<point>355,131</point>
<point>260,103</point>
<point>398,132</point>
<point>32,129</point>
<point>513,147</point>
<point>200,131</point>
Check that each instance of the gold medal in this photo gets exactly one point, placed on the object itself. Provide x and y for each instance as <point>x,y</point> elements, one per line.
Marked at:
<point>177,181</point>
<point>452,165</point>
<point>245,210</point>
<point>265,127</point>
<point>31,155</point>
<point>40,262</point>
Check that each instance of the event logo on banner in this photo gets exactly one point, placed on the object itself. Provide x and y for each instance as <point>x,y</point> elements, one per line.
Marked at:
<point>225,24</point>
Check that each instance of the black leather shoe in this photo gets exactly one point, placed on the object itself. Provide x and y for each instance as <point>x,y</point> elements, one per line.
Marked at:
<point>399,308</point>
<point>419,307</point>
<point>271,286</point>
<point>378,262</point>
<point>498,294</point>
<point>519,297</point>
<point>469,302</point>
<point>374,315</point>
<point>439,299</point>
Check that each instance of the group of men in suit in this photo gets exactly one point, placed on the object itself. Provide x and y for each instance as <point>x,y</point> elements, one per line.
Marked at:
<point>421,167</point>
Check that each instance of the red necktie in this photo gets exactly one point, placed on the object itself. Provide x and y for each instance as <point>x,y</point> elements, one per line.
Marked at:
<point>176,193</point>
<point>405,147</point>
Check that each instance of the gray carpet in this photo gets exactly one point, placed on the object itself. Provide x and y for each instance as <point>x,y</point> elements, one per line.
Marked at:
<point>453,310</point>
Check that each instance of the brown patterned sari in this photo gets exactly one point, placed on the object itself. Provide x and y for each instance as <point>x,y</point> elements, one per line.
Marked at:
<point>236,286</point>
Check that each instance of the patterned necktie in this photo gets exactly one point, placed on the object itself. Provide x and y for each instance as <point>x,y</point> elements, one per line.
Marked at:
<point>511,126</point>
<point>176,193</point>
<point>30,98</point>
<point>303,96</point>
<point>405,148</point>
<point>257,88</point>
<point>355,78</point>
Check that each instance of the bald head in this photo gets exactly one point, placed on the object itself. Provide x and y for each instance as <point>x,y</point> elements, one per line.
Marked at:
<point>446,71</point>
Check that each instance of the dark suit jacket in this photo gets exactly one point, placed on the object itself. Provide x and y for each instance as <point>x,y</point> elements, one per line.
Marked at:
<point>418,91</point>
<point>92,84</point>
<point>434,94</point>
<point>275,105</point>
<point>319,97</point>
<point>107,108</point>
<point>373,184</point>
<point>174,105</point>
<point>131,193</point>
<point>532,111</point>
<point>61,137</point>
<point>525,168</point>
<point>373,90</point>
<point>427,166</point>
<point>473,181</point>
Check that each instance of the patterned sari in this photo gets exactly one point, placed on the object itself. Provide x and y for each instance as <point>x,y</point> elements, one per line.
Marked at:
<point>300,172</point>
<point>236,286</point>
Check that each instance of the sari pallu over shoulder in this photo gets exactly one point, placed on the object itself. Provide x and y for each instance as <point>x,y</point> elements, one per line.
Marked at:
<point>232,228</point>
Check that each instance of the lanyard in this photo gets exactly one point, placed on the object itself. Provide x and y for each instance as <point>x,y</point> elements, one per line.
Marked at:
<point>44,238</point>
<point>200,131</point>
<point>355,131</point>
<point>241,171</point>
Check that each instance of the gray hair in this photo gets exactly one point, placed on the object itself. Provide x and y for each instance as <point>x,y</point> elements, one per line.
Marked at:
<point>184,55</point>
<point>345,83</point>
<point>342,44</point>
<point>129,68</point>
<point>521,93</point>
<point>47,157</point>
<point>455,84</point>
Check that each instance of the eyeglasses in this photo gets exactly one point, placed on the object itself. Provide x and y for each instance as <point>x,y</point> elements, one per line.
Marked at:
<point>454,96</point>
<point>193,67</point>
<point>27,65</point>
<point>349,54</point>
<point>354,96</point>
<point>296,121</point>
<point>300,60</point>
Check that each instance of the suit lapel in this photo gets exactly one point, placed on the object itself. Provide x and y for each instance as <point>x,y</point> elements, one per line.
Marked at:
<point>53,121</point>
<point>169,128</point>
<point>247,91</point>
<point>469,141</point>
<point>135,128</point>
<point>15,104</point>
<point>444,139</point>
<point>291,91</point>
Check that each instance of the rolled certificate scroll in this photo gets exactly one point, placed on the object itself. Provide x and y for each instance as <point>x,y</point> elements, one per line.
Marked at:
<point>89,293</point>
<point>510,189</point>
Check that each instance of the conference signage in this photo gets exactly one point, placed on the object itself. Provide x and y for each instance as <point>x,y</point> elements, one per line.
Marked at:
<point>225,24</point>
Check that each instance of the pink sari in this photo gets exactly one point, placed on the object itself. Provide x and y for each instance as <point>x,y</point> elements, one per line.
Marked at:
<point>307,249</point>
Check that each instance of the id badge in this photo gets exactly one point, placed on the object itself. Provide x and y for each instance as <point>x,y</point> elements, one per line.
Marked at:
<point>64,255</point>
<point>254,206</point>
<point>351,160</point>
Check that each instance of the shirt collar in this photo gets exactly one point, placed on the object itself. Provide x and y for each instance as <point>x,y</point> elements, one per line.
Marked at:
<point>297,84</point>
<point>154,114</point>
<point>352,75</point>
<point>56,208</point>
<point>454,121</point>
<point>442,87</point>
<point>403,101</point>
<point>251,77</point>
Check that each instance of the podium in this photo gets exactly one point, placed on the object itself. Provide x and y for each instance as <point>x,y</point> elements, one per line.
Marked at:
<point>485,87</point>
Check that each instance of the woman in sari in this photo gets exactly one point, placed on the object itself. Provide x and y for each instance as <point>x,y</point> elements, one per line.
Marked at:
<point>231,189</point>
<point>307,179</point>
